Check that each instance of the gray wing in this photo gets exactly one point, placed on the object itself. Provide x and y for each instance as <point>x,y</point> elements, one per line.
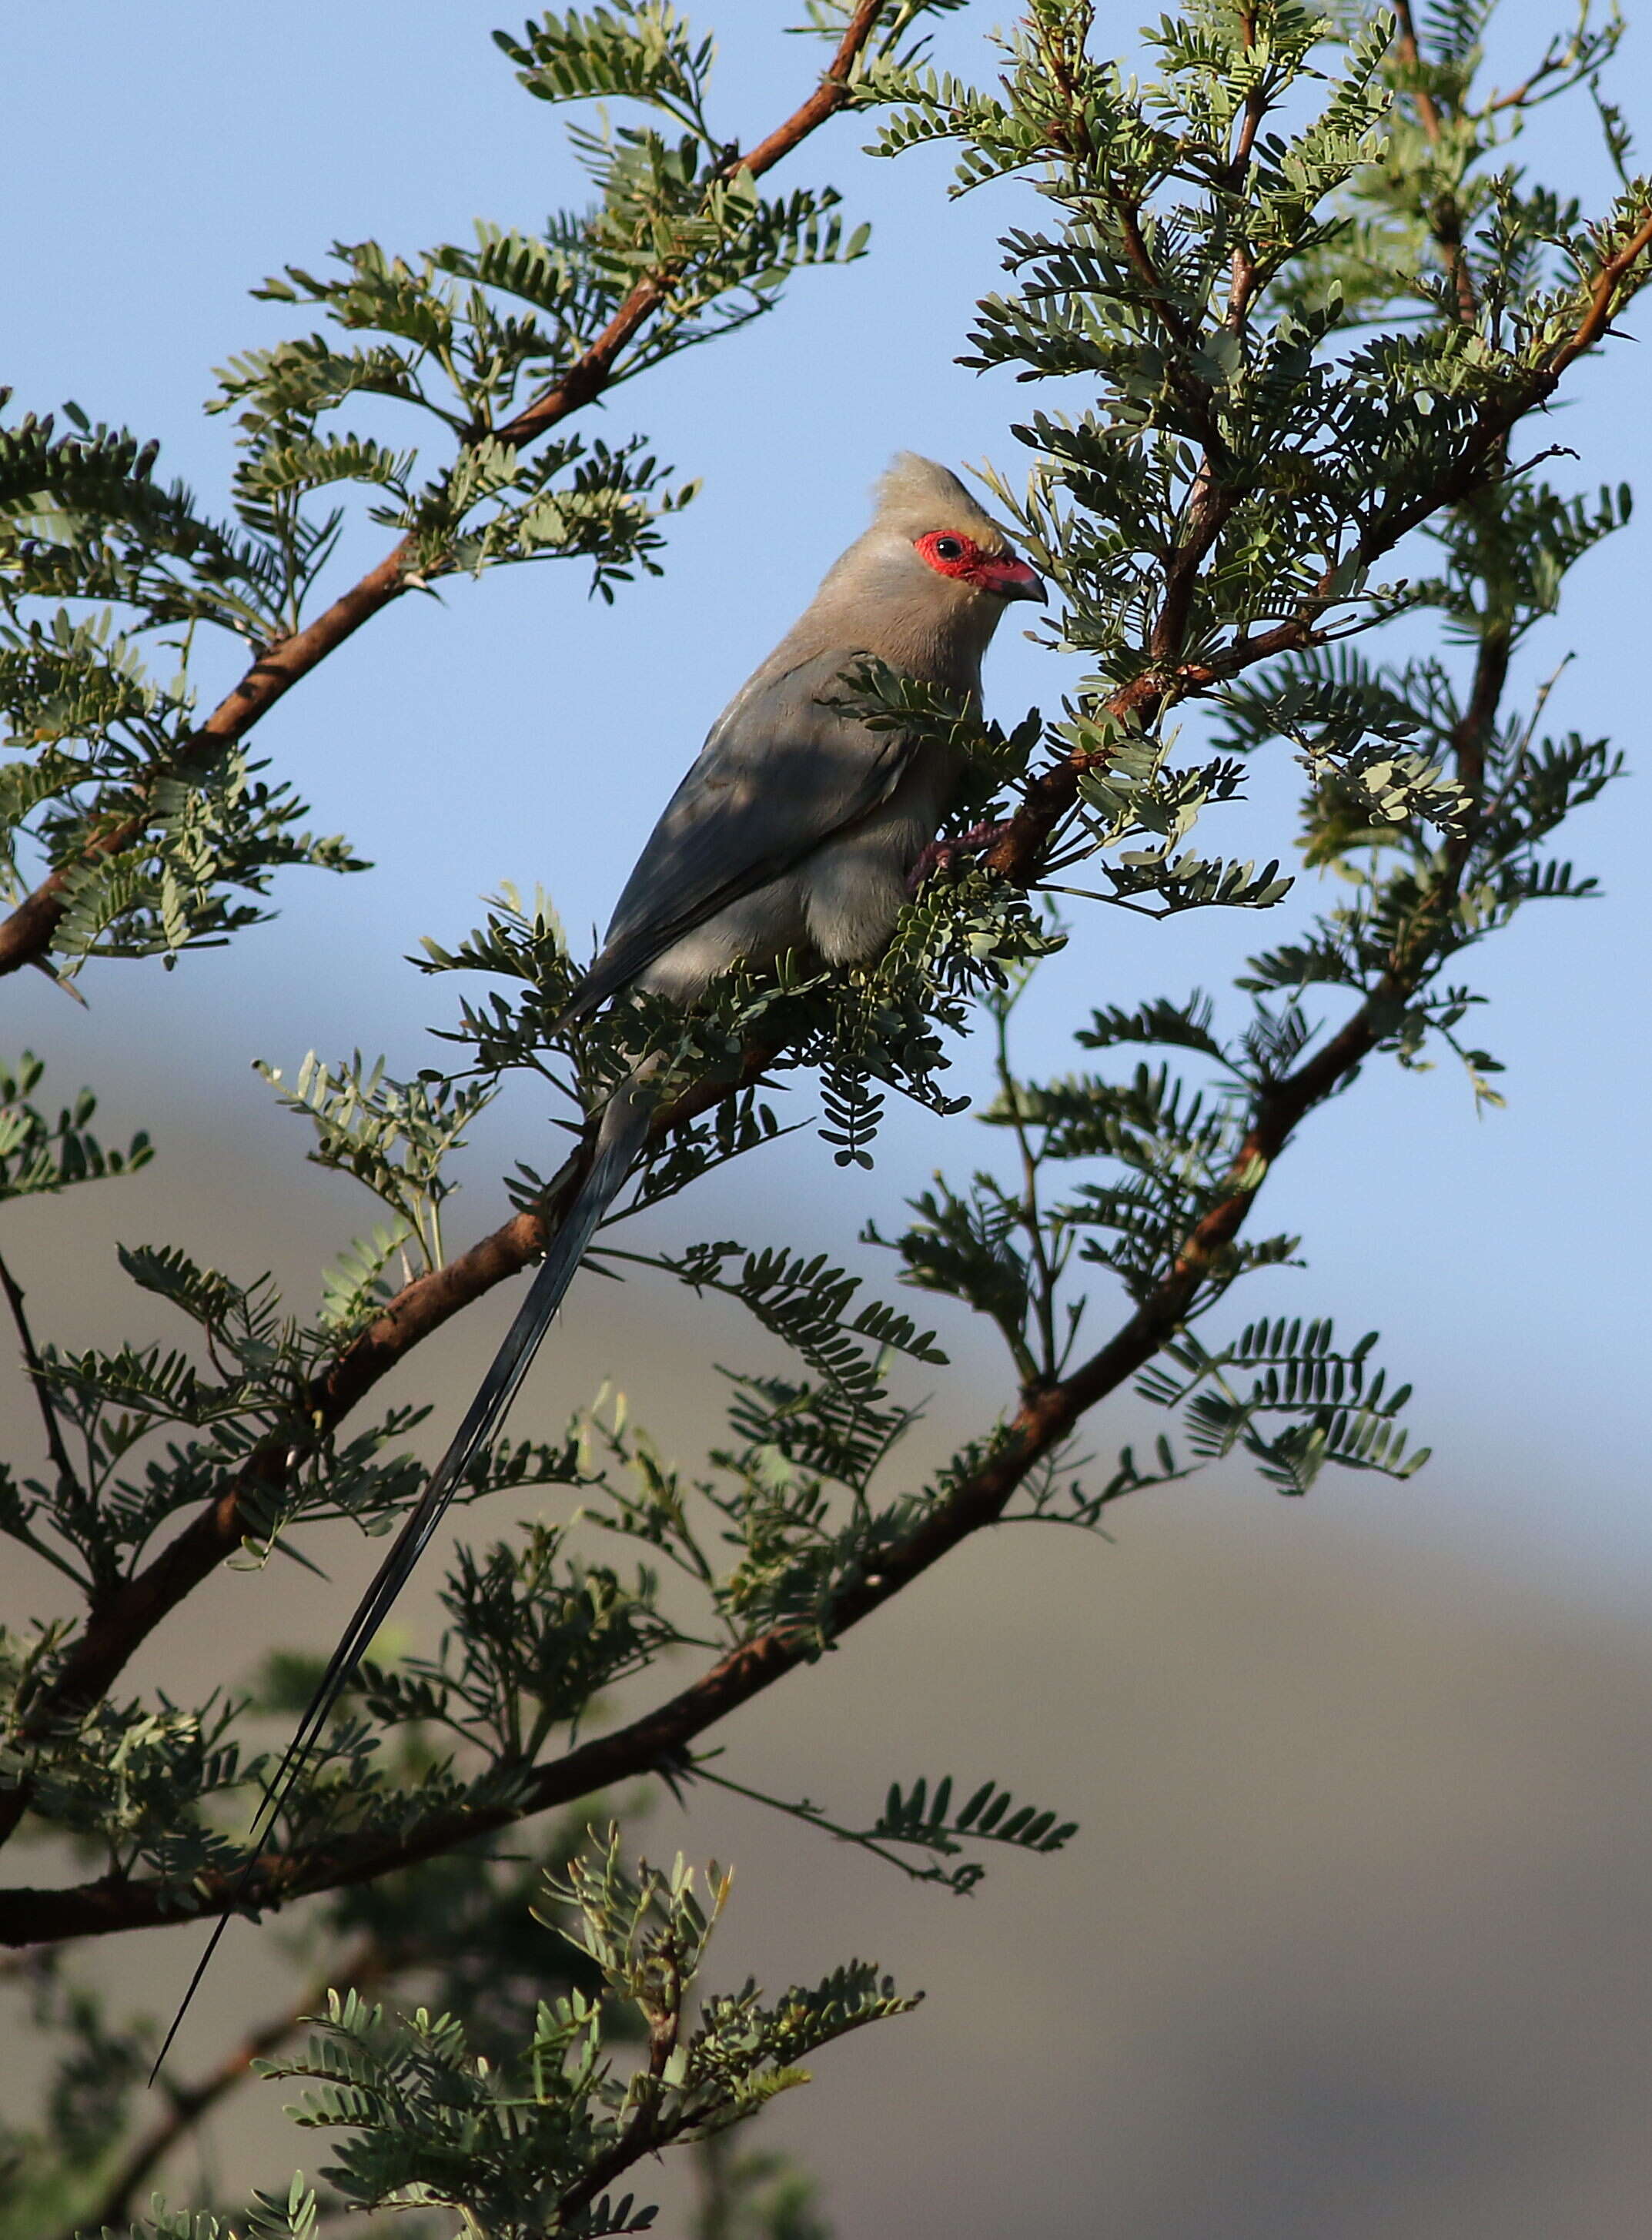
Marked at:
<point>780,772</point>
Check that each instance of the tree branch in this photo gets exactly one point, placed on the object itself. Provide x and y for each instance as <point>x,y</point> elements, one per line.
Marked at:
<point>1445,220</point>
<point>189,2102</point>
<point>1604,296</point>
<point>1045,1418</point>
<point>1048,796</point>
<point>57,1451</point>
<point>1410,53</point>
<point>1520,95</point>
<point>1242,281</point>
<point>27,933</point>
<point>122,1619</point>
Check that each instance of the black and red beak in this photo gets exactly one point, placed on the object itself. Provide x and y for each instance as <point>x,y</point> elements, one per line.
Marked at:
<point>1011,579</point>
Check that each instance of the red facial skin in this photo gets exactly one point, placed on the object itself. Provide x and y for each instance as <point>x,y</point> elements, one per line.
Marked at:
<point>1009,577</point>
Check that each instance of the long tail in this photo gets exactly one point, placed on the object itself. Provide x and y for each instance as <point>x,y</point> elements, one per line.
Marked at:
<point>623,1128</point>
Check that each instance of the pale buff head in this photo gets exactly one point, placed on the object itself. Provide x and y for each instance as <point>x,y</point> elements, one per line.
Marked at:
<point>918,494</point>
<point>927,585</point>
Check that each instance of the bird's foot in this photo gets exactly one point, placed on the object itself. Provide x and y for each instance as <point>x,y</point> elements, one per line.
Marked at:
<point>941,855</point>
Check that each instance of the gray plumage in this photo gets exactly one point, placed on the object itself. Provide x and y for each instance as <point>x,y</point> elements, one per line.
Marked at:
<point>798,826</point>
<point>798,829</point>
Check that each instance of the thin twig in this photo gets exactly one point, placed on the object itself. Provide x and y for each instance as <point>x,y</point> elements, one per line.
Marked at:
<point>812,1816</point>
<point>189,2102</point>
<point>1445,220</point>
<point>37,1375</point>
<point>1521,93</point>
<point>1045,1300</point>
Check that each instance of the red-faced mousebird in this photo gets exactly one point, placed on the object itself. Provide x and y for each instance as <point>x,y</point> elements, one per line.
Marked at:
<point>796,830</point>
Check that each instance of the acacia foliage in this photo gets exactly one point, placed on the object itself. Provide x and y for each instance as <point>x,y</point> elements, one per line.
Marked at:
<point>1297,299</point>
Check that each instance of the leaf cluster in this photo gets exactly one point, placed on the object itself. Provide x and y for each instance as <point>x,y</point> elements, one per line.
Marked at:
<point>40,1154</point>
<point>543,2143</point>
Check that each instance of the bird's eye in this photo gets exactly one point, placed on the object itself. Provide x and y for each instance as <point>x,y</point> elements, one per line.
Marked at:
<point>948,548</point>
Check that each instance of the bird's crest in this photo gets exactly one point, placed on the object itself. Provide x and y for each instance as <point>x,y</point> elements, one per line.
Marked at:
<point>916,494</point>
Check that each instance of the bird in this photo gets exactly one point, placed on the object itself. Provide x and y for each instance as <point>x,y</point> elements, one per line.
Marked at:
<point>796,831</point>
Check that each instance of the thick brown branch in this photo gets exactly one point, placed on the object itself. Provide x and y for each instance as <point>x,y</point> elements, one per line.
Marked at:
<point>1445,222</point>
<point>1471,734</point>
<point>659,1737</point>
<point>27,933</point>
<point>835,86</point>
<point>122,1619</point>
<point>1243,282</point>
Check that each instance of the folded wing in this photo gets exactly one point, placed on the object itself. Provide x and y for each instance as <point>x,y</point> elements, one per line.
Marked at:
<point>786,766</point>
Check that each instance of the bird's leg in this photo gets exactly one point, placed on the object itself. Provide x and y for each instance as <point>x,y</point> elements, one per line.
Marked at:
<point>940,854</point>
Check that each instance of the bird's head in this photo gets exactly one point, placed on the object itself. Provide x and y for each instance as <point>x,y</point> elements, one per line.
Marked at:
<point>927,510</point>
<point>925,586</point>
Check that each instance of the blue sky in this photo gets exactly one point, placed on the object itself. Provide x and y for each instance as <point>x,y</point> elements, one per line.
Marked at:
<point>178,153</point>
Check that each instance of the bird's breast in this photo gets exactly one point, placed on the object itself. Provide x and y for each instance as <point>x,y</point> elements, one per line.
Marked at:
<point>854,884</point>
